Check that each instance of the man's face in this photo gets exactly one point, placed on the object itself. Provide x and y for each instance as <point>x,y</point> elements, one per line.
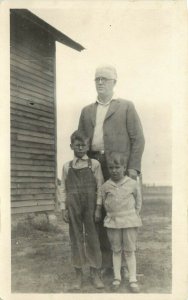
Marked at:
<point>104,86</point>
<point>80,148</point>
<point>105,80</point>
<point>116,171</point>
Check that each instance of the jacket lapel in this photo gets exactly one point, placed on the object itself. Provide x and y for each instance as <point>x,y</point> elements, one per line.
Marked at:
<point>93,113</point>
<point>112,108</point>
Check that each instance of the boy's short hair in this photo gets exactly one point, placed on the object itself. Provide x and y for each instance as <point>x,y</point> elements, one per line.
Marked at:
<point>117,158</point>
<point>79,136</point>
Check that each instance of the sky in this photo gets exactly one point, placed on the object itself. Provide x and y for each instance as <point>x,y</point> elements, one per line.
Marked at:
<point>142,45</point>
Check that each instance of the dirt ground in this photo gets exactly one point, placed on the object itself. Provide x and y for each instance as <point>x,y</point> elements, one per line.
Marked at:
<point>41,259</point>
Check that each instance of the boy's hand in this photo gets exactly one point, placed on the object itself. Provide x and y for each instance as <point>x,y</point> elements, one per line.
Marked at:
<point>98,215</point>
<point>137,211</point>
<point>65,215</point>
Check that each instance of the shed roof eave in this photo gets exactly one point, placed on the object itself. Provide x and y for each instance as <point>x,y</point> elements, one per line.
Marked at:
<point>58,35</point>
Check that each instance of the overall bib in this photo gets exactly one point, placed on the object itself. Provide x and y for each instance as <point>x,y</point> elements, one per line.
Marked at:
<point>81,204</point>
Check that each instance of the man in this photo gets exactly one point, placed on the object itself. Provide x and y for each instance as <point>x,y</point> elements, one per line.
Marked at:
<point>112,124</point>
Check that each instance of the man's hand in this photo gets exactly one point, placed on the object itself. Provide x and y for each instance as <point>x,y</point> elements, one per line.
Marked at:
<point>65,215</point>
<point>98,215</point>
<point>132,173</point>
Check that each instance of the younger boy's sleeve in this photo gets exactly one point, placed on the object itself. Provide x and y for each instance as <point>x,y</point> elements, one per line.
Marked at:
<point>138,195</point>
<point>62,189</point>
<point>102,193</point>
<point>99,179</point>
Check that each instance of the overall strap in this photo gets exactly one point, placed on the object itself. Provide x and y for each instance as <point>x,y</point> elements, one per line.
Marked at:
<point>89,163</point>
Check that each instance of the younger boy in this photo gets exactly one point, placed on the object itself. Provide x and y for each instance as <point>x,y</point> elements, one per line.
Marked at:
<point>122,201</point>
<point>81,180</point>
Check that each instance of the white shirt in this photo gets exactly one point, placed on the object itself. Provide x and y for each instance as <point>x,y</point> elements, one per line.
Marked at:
<point>98,139</point>
<point>122,201</point>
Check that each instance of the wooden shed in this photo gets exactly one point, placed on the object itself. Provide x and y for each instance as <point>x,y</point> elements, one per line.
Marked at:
<point>33,111</point>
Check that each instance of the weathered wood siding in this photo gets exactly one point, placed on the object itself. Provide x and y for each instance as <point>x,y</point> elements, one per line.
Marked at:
<point>33,121</point>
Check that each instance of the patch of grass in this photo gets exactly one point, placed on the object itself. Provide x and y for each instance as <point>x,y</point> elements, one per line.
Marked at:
<point>49,270</point>
<point>47,227</point>
<point>23,229</point>
<point>30,226</point>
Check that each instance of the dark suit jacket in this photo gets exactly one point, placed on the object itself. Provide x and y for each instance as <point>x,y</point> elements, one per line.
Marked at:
<point>122,130</point>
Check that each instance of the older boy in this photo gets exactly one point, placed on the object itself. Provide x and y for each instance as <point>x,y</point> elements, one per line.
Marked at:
<point>81,179</point>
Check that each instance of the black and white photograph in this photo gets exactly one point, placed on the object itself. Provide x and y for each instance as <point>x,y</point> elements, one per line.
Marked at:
<point>94,149</point>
